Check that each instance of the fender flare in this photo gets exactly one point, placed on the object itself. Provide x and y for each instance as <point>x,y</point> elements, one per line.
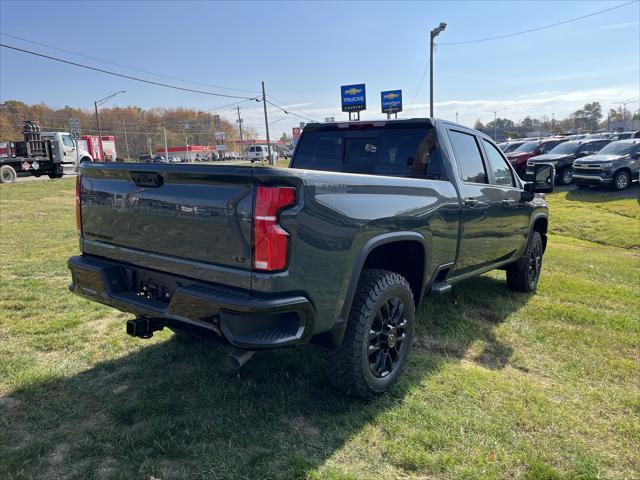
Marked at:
<point>335,336</point>
<point>532,222</point>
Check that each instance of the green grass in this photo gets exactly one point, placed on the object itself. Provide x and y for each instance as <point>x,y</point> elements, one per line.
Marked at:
<point>500,385</point>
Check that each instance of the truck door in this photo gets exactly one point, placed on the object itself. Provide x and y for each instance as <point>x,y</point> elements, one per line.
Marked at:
<point>480,243</point>
<point>69,149</point>
<point>514,214</point>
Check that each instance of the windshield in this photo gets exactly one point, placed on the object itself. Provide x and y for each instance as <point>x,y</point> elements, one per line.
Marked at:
<point>566,148</point>
<point>512,146</point>
<point>618,148</point>
<point>528,147</point>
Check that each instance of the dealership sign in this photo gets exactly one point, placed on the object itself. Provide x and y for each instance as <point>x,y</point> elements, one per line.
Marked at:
<point>391,101</point>
<point>354,98</point>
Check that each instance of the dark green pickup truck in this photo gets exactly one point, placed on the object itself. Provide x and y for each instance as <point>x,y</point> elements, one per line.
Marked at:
<point>339,250</point>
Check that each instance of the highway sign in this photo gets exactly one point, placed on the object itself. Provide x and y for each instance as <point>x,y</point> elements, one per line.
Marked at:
<point>74,128</point>
<point>354,98</point>
<point>391,101</point>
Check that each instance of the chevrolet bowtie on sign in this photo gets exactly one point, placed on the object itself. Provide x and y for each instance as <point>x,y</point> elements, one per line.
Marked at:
<point>354,98</point>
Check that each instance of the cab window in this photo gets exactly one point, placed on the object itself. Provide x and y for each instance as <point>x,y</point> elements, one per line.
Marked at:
<point>468,157</point>
<point>501,172</point>
<point>67,141</point>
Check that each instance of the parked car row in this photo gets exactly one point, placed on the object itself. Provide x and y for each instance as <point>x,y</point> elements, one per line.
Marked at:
<point>590,162</point>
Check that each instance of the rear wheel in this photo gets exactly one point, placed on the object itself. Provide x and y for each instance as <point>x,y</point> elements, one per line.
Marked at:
<point>7,174</point>
<point>58,171</point>
<point>621,180</point>
<point>523,275</point>
<point>566,176</point>
<point>378,338</point>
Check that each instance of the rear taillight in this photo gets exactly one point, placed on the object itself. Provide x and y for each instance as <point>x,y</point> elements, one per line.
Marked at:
<point>78,211</point>
<point>270,240</point>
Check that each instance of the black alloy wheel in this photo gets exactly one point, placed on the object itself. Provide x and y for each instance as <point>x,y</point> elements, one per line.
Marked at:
<point>387,338</point>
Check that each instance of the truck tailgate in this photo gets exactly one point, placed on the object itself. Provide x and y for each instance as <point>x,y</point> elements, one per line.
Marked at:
<point>182,218</point>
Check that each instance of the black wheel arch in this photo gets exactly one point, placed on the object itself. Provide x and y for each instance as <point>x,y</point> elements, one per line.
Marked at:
<point>374,254</point>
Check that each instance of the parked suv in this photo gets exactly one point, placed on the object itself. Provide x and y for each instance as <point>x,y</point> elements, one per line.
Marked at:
<point>564,155</point>
<point>519,157</point>
<point>617,164</point>
<point>259,153</point>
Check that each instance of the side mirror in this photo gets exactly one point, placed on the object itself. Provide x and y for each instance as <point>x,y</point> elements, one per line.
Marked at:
<point>543,179</point>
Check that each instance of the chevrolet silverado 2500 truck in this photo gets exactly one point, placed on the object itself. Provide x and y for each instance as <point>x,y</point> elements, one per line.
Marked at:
<point>340,249</point>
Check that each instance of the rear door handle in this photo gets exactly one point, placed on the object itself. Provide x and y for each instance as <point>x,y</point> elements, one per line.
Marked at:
<point>470,202</point>
<point>508,202</point>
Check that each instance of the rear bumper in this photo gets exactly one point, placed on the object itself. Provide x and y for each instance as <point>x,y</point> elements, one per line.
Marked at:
<point>246,321</point>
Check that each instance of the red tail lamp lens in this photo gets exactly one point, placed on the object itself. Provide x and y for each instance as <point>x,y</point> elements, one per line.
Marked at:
<point>271,241</point>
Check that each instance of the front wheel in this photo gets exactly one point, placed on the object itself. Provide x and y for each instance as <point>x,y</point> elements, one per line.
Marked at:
<point>523,275</point>
<point>566,176</point>
<point>378,337</point>
<point>621,180</point>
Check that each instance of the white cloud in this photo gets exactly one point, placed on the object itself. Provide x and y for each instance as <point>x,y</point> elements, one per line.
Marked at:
<point>616,26</point>
<point>560,104</point>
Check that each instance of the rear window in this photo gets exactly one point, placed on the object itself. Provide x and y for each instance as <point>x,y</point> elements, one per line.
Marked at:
<point>406,152</point>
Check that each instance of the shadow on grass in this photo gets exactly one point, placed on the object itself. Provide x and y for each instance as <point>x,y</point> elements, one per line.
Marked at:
<point>602,194</point>
<point>171,411</point>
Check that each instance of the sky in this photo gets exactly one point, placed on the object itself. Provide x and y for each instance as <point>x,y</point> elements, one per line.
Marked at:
<point>304,51</point>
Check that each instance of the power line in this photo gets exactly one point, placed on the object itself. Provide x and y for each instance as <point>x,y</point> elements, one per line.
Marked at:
<point>122,75</point>
<point>124,66</point>
<point>539,28</point>
<point>289,109</point>
<point>288,112</point>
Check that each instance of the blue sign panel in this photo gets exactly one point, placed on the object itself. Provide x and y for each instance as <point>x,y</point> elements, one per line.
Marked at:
<point>391,101</point>
<point>354,98</point>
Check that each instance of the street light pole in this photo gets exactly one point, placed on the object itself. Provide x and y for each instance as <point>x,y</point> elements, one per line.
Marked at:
<point>495,121</point>
<point>432,35</point>
<point>96,104</point>
<point>624,112</point>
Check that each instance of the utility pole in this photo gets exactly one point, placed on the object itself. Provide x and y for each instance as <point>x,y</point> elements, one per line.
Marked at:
<point>434,33</point>
<point>266,124</point>
<point>126,141</point>
<point>241,139</point>
<point>186,147</point>
<point>99,132</point>
<point>166,148</point>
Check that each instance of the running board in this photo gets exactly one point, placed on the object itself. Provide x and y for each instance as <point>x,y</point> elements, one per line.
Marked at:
<point>440,288</point>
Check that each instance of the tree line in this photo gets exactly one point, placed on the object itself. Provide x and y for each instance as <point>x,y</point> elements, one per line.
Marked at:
<point>144,128</point>
<point>589,118</point>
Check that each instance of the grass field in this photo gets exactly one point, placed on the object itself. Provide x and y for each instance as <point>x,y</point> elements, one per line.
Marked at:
<point>500,385</point>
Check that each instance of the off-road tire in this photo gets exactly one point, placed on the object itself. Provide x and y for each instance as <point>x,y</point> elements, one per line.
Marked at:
<point>520,277</point>
<point>621,180</point>
<point>348,365</point>
<point>8,174</point>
